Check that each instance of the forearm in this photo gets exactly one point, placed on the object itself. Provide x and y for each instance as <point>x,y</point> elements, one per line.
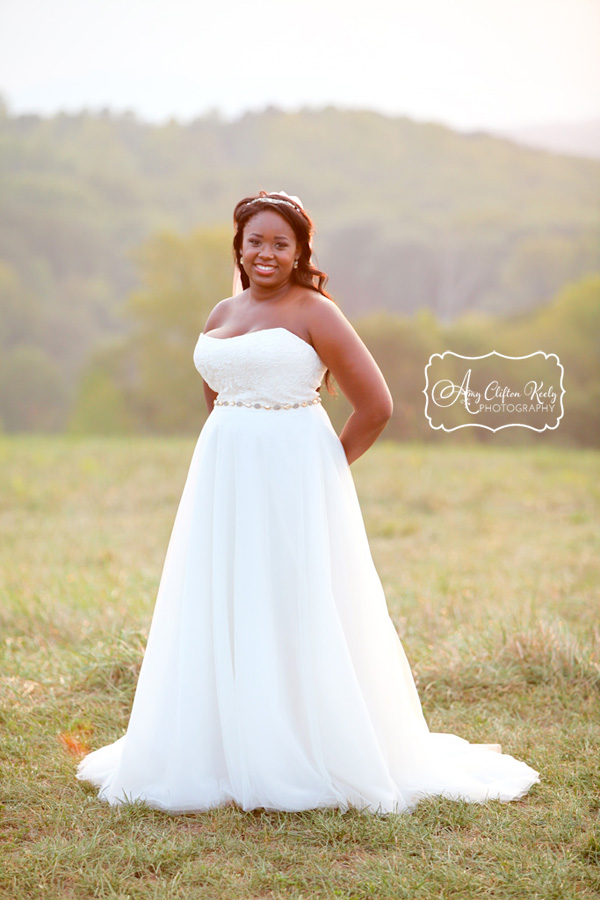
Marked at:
<point>360,432</point>
<point>209,397</point>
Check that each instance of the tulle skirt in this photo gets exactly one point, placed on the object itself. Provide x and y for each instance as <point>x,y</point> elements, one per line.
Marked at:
<point>273,676</point>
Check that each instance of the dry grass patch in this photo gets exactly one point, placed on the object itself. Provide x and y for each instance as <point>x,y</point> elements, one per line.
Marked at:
<point>491,564</point>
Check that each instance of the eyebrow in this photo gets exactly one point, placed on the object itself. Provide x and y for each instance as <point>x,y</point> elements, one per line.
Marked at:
<point>278,237</point>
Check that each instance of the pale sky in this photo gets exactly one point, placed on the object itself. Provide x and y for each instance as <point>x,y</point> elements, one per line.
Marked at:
<point>467,63</point>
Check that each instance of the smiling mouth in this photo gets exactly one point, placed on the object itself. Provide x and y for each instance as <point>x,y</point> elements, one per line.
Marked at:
<point>266,269</point>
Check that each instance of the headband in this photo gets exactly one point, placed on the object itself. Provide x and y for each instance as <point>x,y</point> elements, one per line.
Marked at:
<point>287,199</point>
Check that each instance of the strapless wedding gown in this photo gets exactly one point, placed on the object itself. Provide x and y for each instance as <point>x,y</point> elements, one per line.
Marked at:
<point>273,676</point>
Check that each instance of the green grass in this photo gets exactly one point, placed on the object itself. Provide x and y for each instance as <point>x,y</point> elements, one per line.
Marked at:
<point>490,560</point>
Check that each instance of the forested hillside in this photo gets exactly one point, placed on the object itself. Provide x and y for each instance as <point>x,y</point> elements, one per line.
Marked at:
<point>410,216</point>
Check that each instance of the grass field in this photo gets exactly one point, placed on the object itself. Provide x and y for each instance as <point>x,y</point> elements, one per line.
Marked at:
<point>490,561</point>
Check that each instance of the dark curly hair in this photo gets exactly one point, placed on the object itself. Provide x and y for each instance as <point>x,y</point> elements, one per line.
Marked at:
<point>304,274</point>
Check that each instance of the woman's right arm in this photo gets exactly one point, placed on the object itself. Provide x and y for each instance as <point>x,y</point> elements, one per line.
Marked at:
<point>214,321</point>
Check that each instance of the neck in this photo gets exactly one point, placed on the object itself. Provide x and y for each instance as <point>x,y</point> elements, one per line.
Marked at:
<point>262,294</point>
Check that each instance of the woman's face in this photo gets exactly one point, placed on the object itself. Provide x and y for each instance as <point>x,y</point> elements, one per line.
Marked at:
<point>269,249</point>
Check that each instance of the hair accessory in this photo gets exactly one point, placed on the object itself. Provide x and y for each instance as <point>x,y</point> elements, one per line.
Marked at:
<point>273,200</point>
<point>283,197</point>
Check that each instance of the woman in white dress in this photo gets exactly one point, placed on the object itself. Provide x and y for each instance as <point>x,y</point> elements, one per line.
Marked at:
<point>273,676</point>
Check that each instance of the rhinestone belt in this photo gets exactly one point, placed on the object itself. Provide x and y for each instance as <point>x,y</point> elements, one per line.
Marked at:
<point>264,405</point>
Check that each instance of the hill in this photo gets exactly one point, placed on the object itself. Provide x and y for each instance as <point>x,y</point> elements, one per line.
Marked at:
<point>574,138</point>
<point>410,215</point>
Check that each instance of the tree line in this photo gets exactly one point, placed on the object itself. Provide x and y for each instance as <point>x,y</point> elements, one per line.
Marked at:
<point>411,217</point>
<point>145,382</point>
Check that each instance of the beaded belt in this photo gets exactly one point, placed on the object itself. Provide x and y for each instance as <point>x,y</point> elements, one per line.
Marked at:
<point>264,405</point>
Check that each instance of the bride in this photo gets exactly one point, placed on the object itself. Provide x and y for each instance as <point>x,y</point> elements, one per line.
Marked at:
<point>273,676</point>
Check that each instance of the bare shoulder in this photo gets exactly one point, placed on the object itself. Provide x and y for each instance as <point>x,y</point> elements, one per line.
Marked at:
<point>341,348</point>
<point>325,320</point>
<point>219,313</point>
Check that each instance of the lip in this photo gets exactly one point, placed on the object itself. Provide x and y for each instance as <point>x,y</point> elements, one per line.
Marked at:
<point>264,269</point>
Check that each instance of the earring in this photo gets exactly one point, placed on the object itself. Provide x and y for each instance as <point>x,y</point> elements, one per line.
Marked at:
<point>295,263</point>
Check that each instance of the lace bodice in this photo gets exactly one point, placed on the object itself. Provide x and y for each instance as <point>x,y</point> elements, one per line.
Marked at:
<point>271,366</point>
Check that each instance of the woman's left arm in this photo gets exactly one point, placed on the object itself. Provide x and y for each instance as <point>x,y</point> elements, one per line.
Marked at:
<point>356,372</point>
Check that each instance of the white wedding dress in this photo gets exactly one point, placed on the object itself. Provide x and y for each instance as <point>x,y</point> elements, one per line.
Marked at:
<point>273,676</point>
